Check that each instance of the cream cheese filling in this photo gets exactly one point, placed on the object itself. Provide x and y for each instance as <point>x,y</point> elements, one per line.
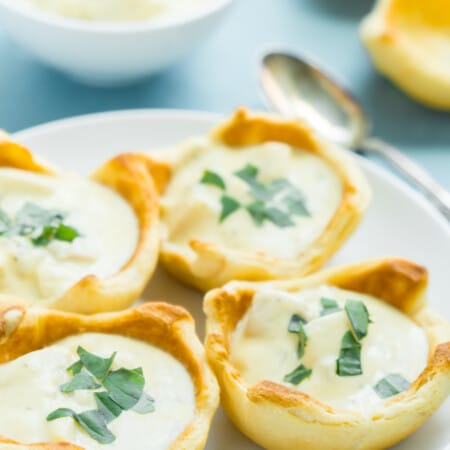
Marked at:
<point>107,225</point>
<point>191,210</point>
<point>262,348</point>
<point>29,388</point>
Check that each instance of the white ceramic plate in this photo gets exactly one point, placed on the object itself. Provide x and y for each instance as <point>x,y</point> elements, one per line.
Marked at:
<point>399,222</point>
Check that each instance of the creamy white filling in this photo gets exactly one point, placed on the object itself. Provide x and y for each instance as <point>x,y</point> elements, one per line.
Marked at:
<point>263,349</point>
<point>107,225</point>
<point>191,210</point>
<point>29,389</point>
<point>118,10</point>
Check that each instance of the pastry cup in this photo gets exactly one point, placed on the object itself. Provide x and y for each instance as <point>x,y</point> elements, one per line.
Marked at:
<point>127,174</point>
<point>408,41</point>
<point>167,327</point>
<point>214,264</point>
<point>278,417</point>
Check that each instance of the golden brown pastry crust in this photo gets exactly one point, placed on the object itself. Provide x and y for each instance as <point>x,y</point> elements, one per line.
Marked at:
<point>128,175</point>
<point>8,444</point>
<point>168,327</point>
<point>215,265</point>
<point>403,37</point>
<point>277,417</point>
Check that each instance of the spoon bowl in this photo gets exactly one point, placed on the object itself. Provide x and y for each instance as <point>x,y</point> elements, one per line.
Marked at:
<point>299,89</point>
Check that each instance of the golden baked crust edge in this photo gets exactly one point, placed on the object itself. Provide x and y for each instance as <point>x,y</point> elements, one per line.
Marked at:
<point>277,417</point>
<point>128,175</point>
<point>215,265</point>
<point>168,327</point>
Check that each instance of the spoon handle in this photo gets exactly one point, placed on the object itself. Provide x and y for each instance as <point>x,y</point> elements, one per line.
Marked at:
<point>410,170</point>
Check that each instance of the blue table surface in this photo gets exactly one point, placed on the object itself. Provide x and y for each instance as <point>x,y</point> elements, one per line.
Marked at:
<point>222,74</point>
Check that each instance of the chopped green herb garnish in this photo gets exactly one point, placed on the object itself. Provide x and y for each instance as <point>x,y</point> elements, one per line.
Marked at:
<point>93,422</point>
<point>295,203</point>
<point>5,222</point>
<point>125,387</point>
<point>276,201</point>
<point>278,185</point>
<point>124,390</point>
<point>80,381</point>
<point>99,367</point>
<point>349,362</point>
<point>391,385</point>
<point>65,233</point>
<point>257,211</point>
<point>298,375</point>
<point>295,323</point>
<point>329,306</point>
<point>75,368</point>
<point>359,318</point>
<point>302,340</point>
<point>41,226</point>
<point>278,217</point>
<point>248,173</point>
<point>146,404</point>
<point>107,406</point>
<point>229,206</point>
<point>213,179</point>
<point>296,326</point>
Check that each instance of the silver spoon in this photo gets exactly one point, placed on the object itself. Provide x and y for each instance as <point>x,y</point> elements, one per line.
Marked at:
<point>296,88</point>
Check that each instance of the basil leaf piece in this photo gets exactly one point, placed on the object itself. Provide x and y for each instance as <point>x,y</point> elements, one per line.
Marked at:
<point>80,381</point>
<point>391,385</point>
<point>125,386</point>
<point>349,362</point>
<point>257,211</point>
<point>46,236</point>
<point>66,233</point>
<point>38,224</point>
<point>5,222</point>
<point>229,206</point>
<point>259,192</point>
<point>302,340</point>
<point>248,173</point>
<point>213,178</point>
<point>75,368</point>
<point>295,204</point>
<point>107,406</point>
<point>295,323</point>
<point>358,315</point>
<point>296,326</point>
<point>95,364</point>
<point>146,404</point>
<point>32,216</point>
<point>60,412</point>
<point>278,185</point>
<point>329,306</point>
<point>278,217</point>
<point>257,189</point>
<point>92,422</point>
<point>298,375</point>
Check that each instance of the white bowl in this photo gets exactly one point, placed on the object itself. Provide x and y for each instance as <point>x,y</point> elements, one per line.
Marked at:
<point>108,53</point>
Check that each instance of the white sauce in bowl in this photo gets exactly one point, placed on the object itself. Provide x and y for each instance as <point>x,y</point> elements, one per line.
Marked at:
<point>118,10</point>
<point>263,349</point>
<point>107,225</point>
<point>29,389</point>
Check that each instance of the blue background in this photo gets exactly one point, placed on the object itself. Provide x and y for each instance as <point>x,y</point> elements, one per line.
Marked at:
<point>222,74</point>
